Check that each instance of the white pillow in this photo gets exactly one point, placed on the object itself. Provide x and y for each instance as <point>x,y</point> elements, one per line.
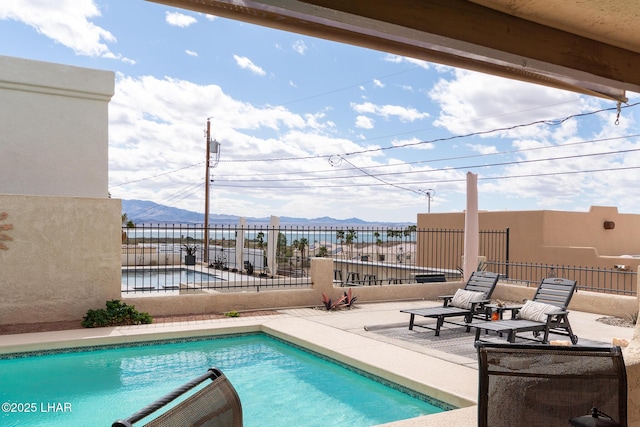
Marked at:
<point>535,311</point>
<point>463,299</point>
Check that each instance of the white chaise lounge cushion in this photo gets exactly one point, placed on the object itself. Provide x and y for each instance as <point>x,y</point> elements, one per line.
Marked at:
<point>535,311</point>
<point>463,299</point>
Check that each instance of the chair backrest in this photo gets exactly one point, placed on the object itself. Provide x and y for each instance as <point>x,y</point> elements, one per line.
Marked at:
<point>544,385</point>
<point>215,405</point>
<point>555,291</point>
<point>482,281</point>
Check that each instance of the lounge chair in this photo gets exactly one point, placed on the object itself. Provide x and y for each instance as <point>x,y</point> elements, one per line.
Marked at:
<point>215,405</point>
<point>540,385</point>
<point>546,313</point>
<point>467,302</point>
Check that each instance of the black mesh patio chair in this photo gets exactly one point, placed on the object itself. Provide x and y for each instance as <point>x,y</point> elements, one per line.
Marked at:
<point>215,405</point>
<point>540,385</point>
<point>477,292</point>
<point>546,313</point>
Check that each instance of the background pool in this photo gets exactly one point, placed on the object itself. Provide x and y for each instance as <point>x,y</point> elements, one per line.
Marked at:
<point>278,384</point>
<point>167,278</point>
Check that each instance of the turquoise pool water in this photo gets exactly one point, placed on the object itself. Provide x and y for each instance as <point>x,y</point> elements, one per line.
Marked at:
<point>278,384</point>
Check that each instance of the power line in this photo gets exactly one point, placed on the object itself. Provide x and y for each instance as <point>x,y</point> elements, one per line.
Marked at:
<point>441,159</point>
<point>376,176</point>
<point>158,175</point>
<point>351,86</point>
<point>550,122</point>
<point>441,181</point>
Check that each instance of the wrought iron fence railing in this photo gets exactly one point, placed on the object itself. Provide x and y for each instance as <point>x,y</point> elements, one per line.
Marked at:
<point>595,279</point>
<point>173,258</point>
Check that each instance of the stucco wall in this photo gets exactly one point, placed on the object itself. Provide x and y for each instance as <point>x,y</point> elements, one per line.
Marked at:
<point>62,257</point>
<point>53,129</point>
<point>59,233</point>
<point>555,237</point>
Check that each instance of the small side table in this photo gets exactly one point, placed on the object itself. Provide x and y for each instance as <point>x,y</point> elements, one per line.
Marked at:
<point>500,309</point>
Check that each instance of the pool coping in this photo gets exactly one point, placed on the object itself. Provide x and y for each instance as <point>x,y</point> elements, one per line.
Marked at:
<point>449,382</point>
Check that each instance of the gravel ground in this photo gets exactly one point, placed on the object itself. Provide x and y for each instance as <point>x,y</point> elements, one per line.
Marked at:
<point>617,321</point>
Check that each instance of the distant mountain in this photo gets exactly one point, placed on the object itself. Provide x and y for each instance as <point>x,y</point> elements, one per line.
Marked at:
<point>146,212</point>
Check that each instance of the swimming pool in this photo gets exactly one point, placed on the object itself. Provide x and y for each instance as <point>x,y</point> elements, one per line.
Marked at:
<point>146,279</point>
<point>278,384</point>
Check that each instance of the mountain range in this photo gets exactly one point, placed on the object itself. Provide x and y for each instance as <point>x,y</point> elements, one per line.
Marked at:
<point>146,212</point>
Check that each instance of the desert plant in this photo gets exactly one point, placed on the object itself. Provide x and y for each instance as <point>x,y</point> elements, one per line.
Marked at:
<point>117,313</point>
<point>249,268</point>
<point>349,299</point>
<point>329,304</point>
<point>232,313</point>
<point>190,249</point>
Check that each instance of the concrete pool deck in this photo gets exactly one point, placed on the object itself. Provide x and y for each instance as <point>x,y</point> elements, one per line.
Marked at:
<point>372,337</point>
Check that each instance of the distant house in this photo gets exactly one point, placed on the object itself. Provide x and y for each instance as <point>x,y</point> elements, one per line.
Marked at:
<point>601,237</point>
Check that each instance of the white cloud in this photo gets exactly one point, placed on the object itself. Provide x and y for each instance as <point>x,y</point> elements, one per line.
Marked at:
<point>111,55</point>
<point>414,143</point>
<point>300,47</point>
<point>191,53</point>
<point>473,102</point>
<point>483,149</point>
<point>245,63</point>
<point>178,19</point>
<point>68,23</point>
<point>397,59</point>
<point>404,114</point>
<point>153,133</point>
<point>364,122</point>
<point>378,83</point>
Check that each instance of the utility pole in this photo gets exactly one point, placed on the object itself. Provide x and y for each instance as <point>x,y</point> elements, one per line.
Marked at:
<point>213,147</point>
<point>429,193</point>
<point>206,196</point>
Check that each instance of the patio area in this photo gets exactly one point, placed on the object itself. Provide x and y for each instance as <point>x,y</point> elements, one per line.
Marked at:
<point>372,337</point>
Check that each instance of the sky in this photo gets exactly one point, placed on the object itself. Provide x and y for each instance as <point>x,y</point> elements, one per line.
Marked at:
<point>312,128</point>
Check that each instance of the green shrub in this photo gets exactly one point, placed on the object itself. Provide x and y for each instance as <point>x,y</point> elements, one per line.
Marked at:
<point>232,314</point>
<point>117,313</point>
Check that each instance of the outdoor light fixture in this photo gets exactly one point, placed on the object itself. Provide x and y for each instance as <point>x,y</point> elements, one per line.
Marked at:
<point>609,225</point>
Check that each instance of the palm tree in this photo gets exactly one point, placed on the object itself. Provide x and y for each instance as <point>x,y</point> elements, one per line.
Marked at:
<point>129,224</point>
<point>302,245</point>
<point>349,238</point>
<point>410,229</point>
<point>294,246</point>
<point>261,246</point>
<point>340,238</point>
<point>396,234</point>
<point>376,234</point>
<point>126,221</point>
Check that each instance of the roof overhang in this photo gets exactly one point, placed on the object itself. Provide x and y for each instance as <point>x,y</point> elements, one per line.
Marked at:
<point>457,33</point>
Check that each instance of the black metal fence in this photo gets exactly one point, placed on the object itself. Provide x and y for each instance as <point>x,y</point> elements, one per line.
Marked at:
<point>173,258</point>
<point>603,280</point>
